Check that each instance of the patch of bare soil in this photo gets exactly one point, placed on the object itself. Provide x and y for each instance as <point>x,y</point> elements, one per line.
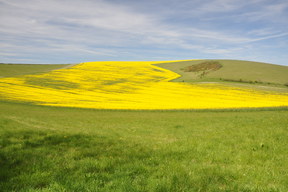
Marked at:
<point>203,68</point>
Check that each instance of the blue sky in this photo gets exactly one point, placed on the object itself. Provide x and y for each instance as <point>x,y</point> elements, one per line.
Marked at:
<point>73,31</point>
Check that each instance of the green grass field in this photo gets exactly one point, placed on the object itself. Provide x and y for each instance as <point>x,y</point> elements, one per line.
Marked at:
<point>233,71</point>
<point>9,70</point>
<point>70,149</point>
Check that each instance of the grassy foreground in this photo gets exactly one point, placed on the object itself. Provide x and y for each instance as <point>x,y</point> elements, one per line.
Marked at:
<point>69,149</point>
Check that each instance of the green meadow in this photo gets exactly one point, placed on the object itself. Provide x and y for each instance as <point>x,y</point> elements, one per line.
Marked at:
<point>71,149</point>
<point>44,148</point>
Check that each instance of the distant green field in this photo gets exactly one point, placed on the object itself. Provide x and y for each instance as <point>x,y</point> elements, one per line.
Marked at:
<point>233,70</point>
<point>9,70</point>
<point>70,149</point>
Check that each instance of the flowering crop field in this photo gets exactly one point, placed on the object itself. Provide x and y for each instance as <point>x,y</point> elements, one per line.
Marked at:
<point>130,85</point>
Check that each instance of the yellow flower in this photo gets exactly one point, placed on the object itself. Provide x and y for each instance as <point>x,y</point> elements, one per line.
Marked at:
<point>129,85</point>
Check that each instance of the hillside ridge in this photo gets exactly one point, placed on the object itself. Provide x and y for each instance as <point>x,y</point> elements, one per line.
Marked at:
<point>229,71</point>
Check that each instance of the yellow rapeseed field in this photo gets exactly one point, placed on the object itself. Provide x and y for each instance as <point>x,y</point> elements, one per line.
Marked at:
<point>129,85</point>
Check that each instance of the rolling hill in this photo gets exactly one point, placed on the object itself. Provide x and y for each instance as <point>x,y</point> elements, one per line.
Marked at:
<point>229,70</point>
<point>133,85</point>
<point>11,70</point>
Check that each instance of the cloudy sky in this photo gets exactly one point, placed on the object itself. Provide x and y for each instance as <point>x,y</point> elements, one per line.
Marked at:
<point>73,31</point>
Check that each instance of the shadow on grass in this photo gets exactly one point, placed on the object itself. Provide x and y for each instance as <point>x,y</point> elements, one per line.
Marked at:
<point>53,161</point>
<point>36,160</point>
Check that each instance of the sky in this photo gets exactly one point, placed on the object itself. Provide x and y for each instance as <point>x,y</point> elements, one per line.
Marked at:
<point>74,31</point>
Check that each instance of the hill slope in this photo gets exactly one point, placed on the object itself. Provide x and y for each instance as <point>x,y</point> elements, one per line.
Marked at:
<point>130,85</point>
<point>231,70</point>
<point>10,70</point>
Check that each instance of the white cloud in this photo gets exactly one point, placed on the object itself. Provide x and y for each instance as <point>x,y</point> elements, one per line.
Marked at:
<point>69,21</point>
<point>97,27</point>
